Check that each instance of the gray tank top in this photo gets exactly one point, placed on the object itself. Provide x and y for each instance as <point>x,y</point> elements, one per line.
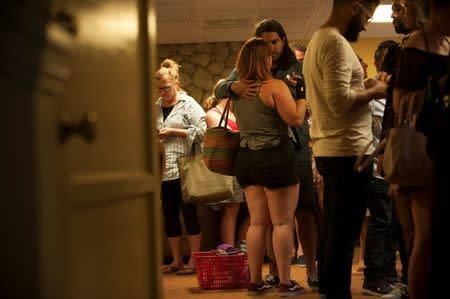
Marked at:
<point>260,126</point>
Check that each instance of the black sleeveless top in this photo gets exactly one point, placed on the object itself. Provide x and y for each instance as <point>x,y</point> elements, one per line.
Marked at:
<point>415,68</point>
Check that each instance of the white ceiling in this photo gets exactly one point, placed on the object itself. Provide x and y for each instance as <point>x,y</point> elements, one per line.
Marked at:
<point>196,21</point>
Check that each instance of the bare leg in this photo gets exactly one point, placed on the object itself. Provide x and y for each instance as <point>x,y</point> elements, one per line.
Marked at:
<point>420,259</point>
<point>308,238</point>
<point>297,229</point>
<point>256,233</point>
<point>269,252</point>
<point>175,247</point>
<point>362,244</point>
<point>228,223</point>
<point>403,209</point>
<point>282,203</point>
<point>195,242</point>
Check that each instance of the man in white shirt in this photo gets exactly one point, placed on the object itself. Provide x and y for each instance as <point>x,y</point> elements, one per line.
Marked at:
<point>341,131</point>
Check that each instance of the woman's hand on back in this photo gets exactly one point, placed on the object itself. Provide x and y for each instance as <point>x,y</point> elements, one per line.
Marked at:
<point>246,88</point>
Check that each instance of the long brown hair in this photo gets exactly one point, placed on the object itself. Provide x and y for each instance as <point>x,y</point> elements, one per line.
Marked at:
<point>287,57</point>
<point>253,60</point>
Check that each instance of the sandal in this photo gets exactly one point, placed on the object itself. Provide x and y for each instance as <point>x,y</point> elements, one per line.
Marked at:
<point>186,271</point>
<point>171,269</point>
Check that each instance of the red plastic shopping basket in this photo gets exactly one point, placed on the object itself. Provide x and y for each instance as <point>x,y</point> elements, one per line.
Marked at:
<point>216,271</point>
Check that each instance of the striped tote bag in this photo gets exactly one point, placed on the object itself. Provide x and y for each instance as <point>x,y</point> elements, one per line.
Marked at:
<point>221,146</point>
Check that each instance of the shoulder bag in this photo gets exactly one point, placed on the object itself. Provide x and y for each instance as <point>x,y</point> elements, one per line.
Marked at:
<point>405,161</point>
<point>199,184</point>
<point>221,146</point>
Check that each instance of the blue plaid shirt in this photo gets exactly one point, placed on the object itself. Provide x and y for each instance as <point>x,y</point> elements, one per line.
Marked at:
<point>186,114</point>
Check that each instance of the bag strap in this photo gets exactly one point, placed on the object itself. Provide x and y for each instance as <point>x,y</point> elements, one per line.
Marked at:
<point>409,113</point>
<point>224,116</point>
<point>196,148</point>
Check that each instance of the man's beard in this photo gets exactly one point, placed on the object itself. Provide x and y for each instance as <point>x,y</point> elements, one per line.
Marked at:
<point>353,30</point>
<point>400,26</point>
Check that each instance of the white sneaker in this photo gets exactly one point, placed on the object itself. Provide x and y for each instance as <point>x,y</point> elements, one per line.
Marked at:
<point>399,290</point>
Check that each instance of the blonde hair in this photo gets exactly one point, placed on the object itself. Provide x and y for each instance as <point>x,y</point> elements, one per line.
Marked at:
<point>253,60</point>
<point>169,69</point>
<point>212,100</point>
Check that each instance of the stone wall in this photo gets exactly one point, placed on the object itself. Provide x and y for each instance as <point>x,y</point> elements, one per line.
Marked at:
<point>202,65</point>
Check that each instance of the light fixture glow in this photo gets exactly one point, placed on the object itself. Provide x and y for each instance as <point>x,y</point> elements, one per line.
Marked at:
<point>110,24</point>
<point>382,14</point>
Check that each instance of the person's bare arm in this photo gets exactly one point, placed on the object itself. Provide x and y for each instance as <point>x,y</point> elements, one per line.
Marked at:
<point>171,132</point>
<point>291,111</point>
<point>376,91</point>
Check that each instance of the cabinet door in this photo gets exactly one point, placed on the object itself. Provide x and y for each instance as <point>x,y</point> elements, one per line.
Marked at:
<point>108,154</point>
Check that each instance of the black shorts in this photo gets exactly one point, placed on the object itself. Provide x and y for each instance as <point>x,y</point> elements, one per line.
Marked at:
<point>273,168</point>
<point>306,197</point>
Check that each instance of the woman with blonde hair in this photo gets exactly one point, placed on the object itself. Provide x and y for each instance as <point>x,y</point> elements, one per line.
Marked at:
<point>265,164</point>
<point>181,126</point>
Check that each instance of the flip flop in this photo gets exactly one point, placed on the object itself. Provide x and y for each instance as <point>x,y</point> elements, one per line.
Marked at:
<point>171,269</point>
<point>186,271</point>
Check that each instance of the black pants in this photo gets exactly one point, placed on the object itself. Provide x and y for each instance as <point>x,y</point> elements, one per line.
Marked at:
<point>345,202</point>
<point>306,199</point>
<point>381,244</point>
<point>172,202</point>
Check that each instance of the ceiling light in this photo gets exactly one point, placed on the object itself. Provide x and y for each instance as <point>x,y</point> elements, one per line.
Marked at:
<point>228,23</point>
<point>382,14</point>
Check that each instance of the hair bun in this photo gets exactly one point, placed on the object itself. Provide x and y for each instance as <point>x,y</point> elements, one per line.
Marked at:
<point>169,63</point>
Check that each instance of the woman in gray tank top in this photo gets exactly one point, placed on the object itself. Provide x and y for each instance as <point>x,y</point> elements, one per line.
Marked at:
<point>265,165</point>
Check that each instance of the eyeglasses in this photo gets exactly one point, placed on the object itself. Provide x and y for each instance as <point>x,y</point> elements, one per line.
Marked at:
<point>366,12</point>
<point>165,88</point>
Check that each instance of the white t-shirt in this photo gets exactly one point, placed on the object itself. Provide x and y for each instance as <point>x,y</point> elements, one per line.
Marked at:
<point>332,75</point>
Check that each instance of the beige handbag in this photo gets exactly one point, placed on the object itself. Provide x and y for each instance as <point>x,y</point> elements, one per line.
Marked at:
<point>406,162</point>
<point>201,185</point>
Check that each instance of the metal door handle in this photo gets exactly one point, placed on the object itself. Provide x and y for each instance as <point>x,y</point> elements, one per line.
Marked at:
<point>86,128</point>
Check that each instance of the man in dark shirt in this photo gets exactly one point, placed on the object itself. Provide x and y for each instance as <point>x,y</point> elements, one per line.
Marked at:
<point>390,60</point>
